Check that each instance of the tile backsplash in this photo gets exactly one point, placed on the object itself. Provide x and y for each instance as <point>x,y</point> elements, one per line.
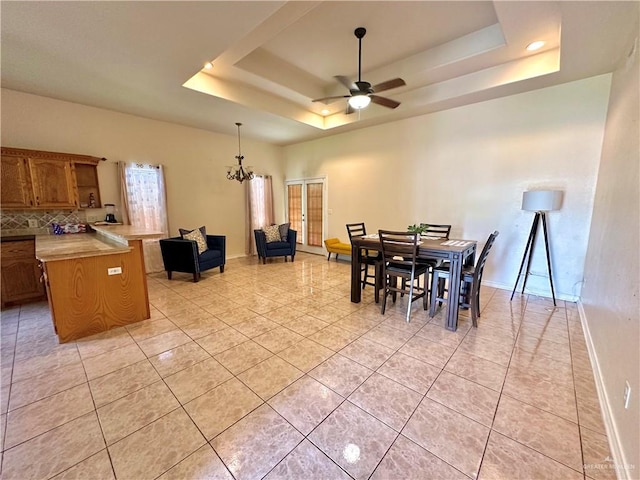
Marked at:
<point>16,222</point>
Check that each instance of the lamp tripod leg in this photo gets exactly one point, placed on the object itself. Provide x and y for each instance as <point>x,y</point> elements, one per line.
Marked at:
<point>528,254</point>
<point>546,245</point>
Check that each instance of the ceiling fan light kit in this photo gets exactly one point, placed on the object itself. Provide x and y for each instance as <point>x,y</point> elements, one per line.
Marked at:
<point>362,93</point>
<point>359,101</point>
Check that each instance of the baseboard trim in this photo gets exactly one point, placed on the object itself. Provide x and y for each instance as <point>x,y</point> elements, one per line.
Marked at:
<point>617,453</point>
<point>537,293</point>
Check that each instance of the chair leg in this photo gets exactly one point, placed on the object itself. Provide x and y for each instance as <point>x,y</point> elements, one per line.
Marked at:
<point>434,294</point>
<point>441,282</point>
<point>329,257</point>
<point>292,258</point>
<point>169,272</point>
<point>377,281</point>
<point>425,299</point>
<point>336,257</point>
<point>222,268</point>
<point>196,277</point>
<point>384,299</point>
<point>264,260</point>
<point>410,301</point>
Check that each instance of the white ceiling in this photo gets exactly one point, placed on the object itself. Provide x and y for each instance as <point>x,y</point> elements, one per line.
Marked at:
<point>272,58</point>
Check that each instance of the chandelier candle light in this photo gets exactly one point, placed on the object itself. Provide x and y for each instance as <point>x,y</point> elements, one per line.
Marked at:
<point>238,172</point>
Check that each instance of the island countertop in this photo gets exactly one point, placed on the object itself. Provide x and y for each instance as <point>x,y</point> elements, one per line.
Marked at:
<point>77,245</point>
<point>126,232</point>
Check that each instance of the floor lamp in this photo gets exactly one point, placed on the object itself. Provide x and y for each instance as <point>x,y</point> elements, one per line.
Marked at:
<point>541,202</point>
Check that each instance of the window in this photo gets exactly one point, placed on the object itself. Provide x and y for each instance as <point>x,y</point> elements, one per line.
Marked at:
<point>145,206</point>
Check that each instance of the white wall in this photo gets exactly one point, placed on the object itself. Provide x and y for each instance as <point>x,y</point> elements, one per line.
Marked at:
<point>610,295</point>
<point>468,167</point>
<point>197,189</point>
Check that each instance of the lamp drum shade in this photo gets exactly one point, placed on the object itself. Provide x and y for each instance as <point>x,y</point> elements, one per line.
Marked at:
<point>541,200</point>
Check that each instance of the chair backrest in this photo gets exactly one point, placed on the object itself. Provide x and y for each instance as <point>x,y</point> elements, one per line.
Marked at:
<point>438,231</point>
<point>356,230</point>
<point>477,274</point>
<point>399,248</point>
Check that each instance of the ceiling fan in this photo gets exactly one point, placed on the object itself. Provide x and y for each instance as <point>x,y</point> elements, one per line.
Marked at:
<point>362,93</point>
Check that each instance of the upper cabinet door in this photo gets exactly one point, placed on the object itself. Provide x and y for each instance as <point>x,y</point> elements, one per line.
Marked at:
<point>52,183</point>
<point>16,191</point>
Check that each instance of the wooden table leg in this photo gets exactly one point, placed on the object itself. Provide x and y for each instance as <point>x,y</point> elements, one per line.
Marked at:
<point>356,258</point>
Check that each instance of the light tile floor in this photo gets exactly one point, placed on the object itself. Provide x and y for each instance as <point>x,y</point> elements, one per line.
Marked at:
<point>269,371</point>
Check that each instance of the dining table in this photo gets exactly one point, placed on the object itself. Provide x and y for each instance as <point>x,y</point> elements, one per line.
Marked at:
<point>458,252</point>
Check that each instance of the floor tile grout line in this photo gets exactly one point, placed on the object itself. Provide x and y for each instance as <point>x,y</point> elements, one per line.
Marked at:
<point>515,440</point>
<point>395,351</point>
<point>575,392</point>
<point>495,413</point>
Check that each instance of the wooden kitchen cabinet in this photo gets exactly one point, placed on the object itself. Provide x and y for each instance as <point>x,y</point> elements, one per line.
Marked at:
<point>16,191</point>
<point>87,182</point>
<point>53,184</point>
<point>35,179</point>
<point>20,271</point>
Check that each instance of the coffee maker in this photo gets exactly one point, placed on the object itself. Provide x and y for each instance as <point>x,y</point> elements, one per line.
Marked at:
<point>111,216</point>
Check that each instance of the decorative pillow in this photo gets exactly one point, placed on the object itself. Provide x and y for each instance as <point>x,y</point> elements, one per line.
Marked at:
<point>184,231</point>
<point>199,235</point>
<point>272,232</point>
<point>284,231</point>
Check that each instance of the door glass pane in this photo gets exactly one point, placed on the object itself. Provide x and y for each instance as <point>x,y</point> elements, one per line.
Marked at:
<point>294,202</point>
<point>314,214</point>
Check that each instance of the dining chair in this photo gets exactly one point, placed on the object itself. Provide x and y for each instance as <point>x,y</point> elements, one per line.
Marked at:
<point>399,253</point>
<point>471,279</point>
<point>436,231</point>
<point>369,258</point>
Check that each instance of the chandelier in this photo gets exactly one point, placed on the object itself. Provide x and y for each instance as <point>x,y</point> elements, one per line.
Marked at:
<point>238,172</point>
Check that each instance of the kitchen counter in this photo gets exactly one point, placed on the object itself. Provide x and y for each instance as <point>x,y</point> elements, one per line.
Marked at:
<point>16,238</point>
<point>126,232</point>
<point>94,283</point>
<point>76,245</point>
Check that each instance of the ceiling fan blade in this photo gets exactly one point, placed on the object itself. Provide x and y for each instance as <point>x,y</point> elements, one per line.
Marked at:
<point>388,85</point>
<point>326,99</point>
<point>385,102</point>
<point>346,82</point>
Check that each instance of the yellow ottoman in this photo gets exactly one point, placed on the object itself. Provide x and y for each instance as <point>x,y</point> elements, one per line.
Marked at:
<point>334,245</point>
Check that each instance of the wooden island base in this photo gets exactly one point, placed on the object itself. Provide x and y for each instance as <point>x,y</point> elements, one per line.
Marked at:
<point>86,292</point>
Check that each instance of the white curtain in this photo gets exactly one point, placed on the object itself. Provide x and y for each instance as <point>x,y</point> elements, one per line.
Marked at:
<point>259,208</point>
<point>144,204</point>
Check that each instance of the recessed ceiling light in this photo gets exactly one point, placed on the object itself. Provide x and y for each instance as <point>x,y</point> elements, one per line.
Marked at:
<point>535,45</point>
<point>324,111</point>
<point>208,65</point>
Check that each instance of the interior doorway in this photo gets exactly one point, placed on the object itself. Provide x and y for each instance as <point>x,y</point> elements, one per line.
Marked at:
<point>306,211</point>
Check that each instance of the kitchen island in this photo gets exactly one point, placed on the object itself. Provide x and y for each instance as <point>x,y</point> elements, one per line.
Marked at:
<point>94,281</point>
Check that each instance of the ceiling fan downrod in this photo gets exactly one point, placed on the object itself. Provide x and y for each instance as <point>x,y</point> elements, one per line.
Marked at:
<point>359,33</point>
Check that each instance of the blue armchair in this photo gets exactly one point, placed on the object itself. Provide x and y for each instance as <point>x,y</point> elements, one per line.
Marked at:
<point>181,255</point>
<point>275,249</point>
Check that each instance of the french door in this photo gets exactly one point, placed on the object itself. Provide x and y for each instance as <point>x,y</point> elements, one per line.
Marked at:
<point>306,200</point>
